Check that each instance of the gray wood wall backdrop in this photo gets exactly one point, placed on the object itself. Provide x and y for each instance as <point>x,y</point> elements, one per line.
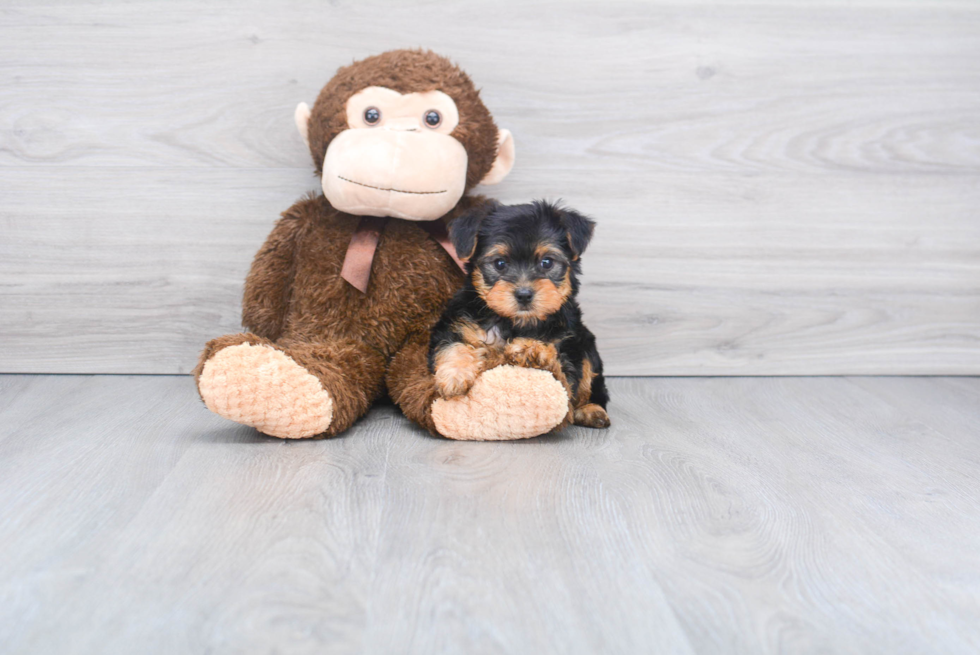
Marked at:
<point>782,188</point>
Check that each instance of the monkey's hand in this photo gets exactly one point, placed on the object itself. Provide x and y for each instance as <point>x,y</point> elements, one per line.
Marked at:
<point>457,367</point>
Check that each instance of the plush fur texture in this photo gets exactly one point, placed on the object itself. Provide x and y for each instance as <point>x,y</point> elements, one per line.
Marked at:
<point>308,321</point>
<point>518,305</point>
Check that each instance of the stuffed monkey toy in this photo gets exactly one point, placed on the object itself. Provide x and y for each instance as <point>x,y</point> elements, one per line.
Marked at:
<point>341,298</point>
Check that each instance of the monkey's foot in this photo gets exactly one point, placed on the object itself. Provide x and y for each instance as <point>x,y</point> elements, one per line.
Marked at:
<point>506,402</point>
<point>264,388</point>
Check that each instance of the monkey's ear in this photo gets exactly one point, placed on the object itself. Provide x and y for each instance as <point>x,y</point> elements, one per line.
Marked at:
<point>579,229</point>
<point>504,161</point>
<point>465,229</point>
<point>302,117</point>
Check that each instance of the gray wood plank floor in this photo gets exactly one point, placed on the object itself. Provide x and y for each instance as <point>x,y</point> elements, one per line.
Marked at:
<point>742,515</point>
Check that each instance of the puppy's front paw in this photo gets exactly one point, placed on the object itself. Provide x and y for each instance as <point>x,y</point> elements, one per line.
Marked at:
<point>592,416</point>
<point>452,382</point>
<point>457,368</point>
<point>531,353</point>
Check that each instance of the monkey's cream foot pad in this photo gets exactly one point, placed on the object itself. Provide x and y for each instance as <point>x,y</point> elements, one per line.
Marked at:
<point>266,389</point>
<point>506,402</point>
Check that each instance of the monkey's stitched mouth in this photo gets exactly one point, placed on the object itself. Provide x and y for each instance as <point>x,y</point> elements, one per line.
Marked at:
<point>417,193</point>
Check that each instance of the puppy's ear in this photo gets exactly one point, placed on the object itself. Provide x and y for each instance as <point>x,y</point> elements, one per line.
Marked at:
<point>579,229</point>
<point>464,229</point>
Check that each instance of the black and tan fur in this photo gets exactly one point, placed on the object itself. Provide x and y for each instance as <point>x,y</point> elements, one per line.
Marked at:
<point>519,306</point>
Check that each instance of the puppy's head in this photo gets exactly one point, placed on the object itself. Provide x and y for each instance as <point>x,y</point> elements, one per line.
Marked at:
<point>523,259</point>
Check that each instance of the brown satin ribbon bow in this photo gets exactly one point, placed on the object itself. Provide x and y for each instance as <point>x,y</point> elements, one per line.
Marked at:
<point>364,242</point>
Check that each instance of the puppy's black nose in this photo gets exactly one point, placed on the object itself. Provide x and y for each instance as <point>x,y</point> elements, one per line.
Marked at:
<point>524,295</point>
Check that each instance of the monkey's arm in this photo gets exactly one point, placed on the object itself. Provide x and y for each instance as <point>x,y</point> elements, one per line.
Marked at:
<point>269,282</point>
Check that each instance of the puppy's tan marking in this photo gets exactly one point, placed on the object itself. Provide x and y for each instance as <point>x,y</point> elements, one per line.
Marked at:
<point>546,250</point>
<point>471,333</point>
<point>531,353</point>
<point>548,298</point>
<point>592,416</point>
<point>480,284</point>
<point>585,384</point>
<point>457,367</point>
<point>501,299</point>
<point>499,250</point>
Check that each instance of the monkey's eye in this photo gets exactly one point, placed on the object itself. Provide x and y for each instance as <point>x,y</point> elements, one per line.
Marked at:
<point>500,263</point>
<point>372,115</point>
<point>546,263</point>
<point>433,118</point>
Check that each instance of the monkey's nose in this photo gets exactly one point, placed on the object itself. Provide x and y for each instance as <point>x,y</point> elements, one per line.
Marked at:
<point>524,295</point>
<point>403,124</point>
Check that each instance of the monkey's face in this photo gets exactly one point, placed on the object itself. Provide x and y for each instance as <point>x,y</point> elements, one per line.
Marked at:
<point>403,134</point>
<point>397,157</point>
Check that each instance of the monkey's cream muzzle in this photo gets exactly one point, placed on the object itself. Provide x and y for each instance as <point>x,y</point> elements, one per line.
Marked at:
<point>386,171</point>
<point>393,161</point>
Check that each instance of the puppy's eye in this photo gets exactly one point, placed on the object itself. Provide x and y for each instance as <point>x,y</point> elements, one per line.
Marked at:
<point>433,118</point>
<point>500,263</point>
<point>547,263</point>
<point>372,115</point>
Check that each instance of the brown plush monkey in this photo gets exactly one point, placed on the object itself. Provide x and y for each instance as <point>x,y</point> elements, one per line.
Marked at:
<point>341,298</point>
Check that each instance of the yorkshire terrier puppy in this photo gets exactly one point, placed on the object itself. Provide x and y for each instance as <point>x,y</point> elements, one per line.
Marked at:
<point>518,305</point>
